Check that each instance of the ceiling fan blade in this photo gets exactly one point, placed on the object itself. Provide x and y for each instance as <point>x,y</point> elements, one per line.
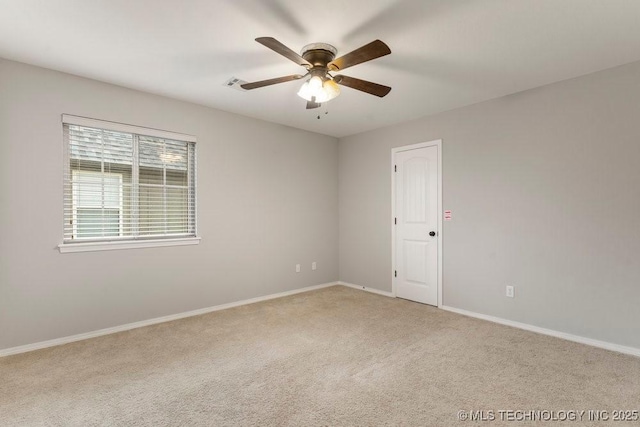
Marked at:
<point>362,85</point>
<point>370,51</point>
<point>263,83</point>
<point>278,47</point>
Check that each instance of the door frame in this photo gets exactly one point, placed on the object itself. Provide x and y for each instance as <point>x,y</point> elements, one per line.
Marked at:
<point>394,151</point>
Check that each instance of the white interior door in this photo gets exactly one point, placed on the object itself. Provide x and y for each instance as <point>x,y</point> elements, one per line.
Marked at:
<point>416,224</point>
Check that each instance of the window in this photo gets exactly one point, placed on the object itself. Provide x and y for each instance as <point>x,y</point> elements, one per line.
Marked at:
<point>126,186</point>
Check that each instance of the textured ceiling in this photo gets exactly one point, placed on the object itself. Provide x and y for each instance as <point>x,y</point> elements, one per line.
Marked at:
<point>446,53</point>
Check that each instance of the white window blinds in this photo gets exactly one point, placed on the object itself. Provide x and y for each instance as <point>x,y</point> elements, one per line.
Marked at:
<point>127,185</point>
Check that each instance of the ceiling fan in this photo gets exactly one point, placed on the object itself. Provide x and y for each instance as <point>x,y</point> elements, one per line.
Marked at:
<point>320,61</point>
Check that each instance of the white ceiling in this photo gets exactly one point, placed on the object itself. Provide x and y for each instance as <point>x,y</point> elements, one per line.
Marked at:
<point>445,53</point>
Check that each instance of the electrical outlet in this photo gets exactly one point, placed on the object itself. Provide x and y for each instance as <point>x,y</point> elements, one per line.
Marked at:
<point>510,291</point>
<point>314,265</point>
<point>297,268</point>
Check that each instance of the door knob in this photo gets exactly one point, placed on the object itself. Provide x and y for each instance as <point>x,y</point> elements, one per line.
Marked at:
<point>432,233</point>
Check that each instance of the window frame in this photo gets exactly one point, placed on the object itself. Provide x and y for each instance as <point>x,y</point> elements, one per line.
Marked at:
<point>119,242</point>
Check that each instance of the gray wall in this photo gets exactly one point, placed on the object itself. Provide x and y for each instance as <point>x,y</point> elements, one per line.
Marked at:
<point>544,186</point>
<point>267,199</point>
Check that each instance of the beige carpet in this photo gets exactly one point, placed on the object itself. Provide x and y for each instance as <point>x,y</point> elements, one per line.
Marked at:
<point>333,357</point>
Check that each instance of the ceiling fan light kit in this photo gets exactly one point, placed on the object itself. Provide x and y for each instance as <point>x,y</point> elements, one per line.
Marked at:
<point>319,91</point>
<point>320,87</point>
<point>319,60</point>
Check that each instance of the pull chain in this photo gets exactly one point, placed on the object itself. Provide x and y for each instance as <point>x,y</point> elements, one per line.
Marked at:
<point>326,111</point>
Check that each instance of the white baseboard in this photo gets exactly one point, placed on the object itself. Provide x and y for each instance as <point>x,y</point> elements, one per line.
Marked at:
<point>79,337</point>
<point>569,337</point>
<point>129,326</point>
<point>364,288</point>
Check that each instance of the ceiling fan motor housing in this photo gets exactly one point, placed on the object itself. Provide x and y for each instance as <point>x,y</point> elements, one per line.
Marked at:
<point>319,55</point>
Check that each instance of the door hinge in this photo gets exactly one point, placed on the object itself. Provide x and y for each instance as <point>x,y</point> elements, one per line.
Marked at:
<point>395,273</point>
<point>395,168</point>
<point>395,220</point>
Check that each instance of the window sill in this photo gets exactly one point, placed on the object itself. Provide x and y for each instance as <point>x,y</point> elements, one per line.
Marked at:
<point>129,244</point>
